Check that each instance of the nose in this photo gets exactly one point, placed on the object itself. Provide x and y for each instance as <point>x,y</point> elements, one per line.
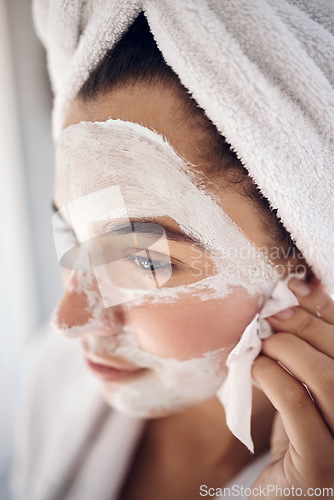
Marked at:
<point>81,311</point>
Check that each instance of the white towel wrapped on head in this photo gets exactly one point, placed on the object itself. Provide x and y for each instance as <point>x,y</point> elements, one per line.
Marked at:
<point>263,71</point>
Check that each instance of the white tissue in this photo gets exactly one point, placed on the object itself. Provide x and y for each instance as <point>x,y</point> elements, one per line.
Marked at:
<point>235,394</point>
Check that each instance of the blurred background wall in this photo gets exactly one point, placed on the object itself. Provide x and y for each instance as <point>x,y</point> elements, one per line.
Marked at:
<point>29,272</point>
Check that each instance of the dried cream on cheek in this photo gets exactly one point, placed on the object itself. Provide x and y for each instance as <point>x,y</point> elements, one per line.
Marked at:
<point>190,327</point>
<point>169,385</point>
<point>154,182</point>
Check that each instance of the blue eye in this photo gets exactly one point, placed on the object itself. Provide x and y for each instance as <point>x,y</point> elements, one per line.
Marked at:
<point>148,265</point>
<point>145,263</point>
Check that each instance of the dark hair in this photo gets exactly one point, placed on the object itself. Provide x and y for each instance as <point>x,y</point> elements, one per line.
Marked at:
<point>136,59</point>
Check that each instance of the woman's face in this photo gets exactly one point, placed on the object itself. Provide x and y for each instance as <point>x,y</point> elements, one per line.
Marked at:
<point>154,357</point>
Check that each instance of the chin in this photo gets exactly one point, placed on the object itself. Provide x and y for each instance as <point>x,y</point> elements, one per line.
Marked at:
<point>161,392</point>
<point>137,408</point>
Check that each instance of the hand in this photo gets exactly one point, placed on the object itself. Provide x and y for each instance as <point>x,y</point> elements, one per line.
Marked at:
<point>302,442</point>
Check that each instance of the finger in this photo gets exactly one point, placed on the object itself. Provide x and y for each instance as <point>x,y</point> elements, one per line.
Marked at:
<point>310,367</point>
<point>301,323</point>
<point>306,430</point>
<point>279,441</point>
<point>313,299</point>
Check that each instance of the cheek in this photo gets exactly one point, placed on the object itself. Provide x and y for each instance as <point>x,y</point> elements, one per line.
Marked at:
<point>191,327</point>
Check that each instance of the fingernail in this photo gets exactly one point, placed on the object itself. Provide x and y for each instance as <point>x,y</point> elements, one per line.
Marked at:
<point>299,288</point>
<point>283,315</point>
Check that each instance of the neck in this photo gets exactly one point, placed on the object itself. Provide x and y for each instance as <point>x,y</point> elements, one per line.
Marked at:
<point>200,433</point>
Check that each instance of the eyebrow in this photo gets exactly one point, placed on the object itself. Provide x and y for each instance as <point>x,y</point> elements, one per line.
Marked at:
<point>149,226</point>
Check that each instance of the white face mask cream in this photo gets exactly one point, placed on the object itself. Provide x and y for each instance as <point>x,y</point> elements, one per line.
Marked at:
<point>115,172</point>
<point>168,385</point>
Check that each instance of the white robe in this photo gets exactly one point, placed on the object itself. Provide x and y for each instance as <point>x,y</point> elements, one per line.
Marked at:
<point>69,444</point>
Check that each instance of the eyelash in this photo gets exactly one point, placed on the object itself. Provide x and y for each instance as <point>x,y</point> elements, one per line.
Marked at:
<point>155,265</point>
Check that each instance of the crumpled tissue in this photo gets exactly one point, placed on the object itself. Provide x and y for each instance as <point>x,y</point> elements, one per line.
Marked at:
<point>235,393</point>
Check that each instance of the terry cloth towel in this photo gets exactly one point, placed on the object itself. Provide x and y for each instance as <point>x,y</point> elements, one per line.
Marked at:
<point>263,71</point>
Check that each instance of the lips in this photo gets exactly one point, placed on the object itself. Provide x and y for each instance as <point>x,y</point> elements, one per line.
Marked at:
<point>111,369</point>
